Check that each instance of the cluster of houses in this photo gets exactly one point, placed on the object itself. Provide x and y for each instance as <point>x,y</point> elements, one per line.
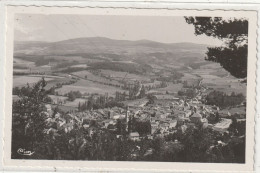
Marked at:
<point>166,115</point>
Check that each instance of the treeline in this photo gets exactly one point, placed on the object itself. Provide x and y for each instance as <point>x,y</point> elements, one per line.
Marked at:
<point>72,69</point>
<point>26,73</point>
<point>43,61</point>
<point>16,66</point>
<point>124,67</point>
<point>99,102</point>
<point>190,92</point>
<point>197,65</point>
<point>172,77</point>
<point>223,100</point>
<point>31,58</point>
<point>66,64</point>
<point>127,86</point>
<point>52,91</point>
<point>135,91</point>
<point>72,95</point>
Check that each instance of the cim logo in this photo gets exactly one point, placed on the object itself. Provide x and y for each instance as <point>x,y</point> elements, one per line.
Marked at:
<point>24,152</point>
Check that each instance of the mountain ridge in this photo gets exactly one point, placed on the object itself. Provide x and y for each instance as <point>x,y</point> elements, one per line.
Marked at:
<point>107,39</point>
<point>140,50</point>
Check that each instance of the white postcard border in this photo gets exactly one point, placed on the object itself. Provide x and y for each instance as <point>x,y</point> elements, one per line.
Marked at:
<point>108,165</point>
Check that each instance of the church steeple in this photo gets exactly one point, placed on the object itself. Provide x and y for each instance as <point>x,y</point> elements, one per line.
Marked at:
<point>128,120</point>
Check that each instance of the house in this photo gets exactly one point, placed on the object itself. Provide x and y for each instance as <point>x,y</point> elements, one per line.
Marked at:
<point>210,126</point>
<point>134,136</point>
<point>91,131</point>
<point>154,127</point>
<point>86,126</point>
<point>196,118</point>
<point>177,113</point>
<point>111,114</point>
<point>163,116</point>
<point>111,127</point>
<point>183,128</point>
<point>172,123</point>
<point>187,113</point>
<point>204,122</point>
<point>115,117</point>
<point>168,119</point>
<point>48,109</point>
<point>153,119</point>
<point>119,136</point>
<point>164,127</point>
<point>68,127</point>
<point>148,152</point>
<point>190,125</point>
<point>149,136</point>
<point>223,125</point>
<point>180,121</point>
<point>107,122</point>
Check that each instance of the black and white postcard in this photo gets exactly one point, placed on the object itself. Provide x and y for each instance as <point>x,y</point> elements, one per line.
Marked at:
<point>119,88</point>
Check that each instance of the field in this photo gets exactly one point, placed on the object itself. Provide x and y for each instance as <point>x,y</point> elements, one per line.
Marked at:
<point>215,77</point>
<point>56,81</point>
<point>171,88</point>
<point>76,102</point>
<point>95,78</point>
<point>19,81</point>
<point>65,58</point>
<point>20,62</point>
<point>86,86</point>
<point>62,100</point>
<point>124,76</point>
<point>57,99</point>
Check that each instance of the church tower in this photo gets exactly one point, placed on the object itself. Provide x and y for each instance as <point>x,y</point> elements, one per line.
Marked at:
<point>128,120</point>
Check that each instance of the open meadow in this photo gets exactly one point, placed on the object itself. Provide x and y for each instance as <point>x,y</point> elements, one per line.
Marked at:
<point>19,81</point>
<point>88,87</point>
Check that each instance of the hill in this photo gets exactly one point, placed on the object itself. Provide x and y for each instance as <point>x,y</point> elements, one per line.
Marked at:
<point>141,51</point>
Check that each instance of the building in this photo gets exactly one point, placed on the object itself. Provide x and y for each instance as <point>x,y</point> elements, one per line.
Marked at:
<point>161,98</point>
<point>223,125</point>
<point>134,136</point>
<point>154,127</point>
<point>173,123</point>
<point>164,127</point>
<point>107,122</point>
<point>48,109</point>
<point>188,113</point>
<point>183,128</point>
<point>196,118</point>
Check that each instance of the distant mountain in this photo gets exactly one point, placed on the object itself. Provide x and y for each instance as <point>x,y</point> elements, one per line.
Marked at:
<point>100,44</point>
<point>141,50</point>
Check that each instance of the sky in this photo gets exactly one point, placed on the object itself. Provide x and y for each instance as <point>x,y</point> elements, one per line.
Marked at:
<point>58,27</point>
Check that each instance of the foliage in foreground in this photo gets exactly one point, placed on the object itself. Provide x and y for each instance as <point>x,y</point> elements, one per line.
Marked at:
<point>234,32</point>
<point>71,137</point>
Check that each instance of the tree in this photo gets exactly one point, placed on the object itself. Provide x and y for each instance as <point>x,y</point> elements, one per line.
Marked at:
<point>120,127</point>
<point>142,92</point>
<point>143,127</point>
<point>234,32</point>
<point>150,98</point>
<point>71,96</point>
<point>29,117</point>
<point>223,100</point>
